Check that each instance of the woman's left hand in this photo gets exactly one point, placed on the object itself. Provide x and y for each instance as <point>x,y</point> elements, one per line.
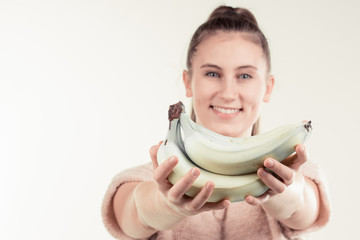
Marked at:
<point>284,174</point>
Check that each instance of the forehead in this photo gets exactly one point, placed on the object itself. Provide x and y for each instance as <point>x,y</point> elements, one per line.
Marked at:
<point>229,48</point>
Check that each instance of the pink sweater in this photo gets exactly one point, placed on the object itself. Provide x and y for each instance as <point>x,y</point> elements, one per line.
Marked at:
<point>239,221</point>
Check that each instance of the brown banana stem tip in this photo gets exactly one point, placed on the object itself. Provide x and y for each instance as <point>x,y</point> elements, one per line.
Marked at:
<point>175,110</point>
<point>308,126</point>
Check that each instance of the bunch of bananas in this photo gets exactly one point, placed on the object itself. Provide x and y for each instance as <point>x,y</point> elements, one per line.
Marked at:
<point>231,163</point>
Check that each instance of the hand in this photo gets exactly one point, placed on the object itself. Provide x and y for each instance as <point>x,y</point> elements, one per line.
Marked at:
<point>174,195</point>
<point>285,175</point>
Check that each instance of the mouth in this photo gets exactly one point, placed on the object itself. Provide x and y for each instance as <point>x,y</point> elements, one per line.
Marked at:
<point>226,110</point>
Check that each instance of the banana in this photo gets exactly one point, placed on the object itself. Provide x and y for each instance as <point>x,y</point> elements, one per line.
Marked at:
<point>233,156</point>
<point>234,188</point>
<point>231,163</point>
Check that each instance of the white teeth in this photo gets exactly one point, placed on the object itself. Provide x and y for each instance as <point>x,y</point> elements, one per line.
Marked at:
<point>226,110</point>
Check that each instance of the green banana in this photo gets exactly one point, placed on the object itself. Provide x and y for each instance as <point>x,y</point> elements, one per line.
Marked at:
<point>233,156</point>
<point>217,156</point>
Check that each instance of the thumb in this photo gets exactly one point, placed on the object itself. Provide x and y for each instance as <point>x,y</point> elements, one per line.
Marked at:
<point>153,154</point>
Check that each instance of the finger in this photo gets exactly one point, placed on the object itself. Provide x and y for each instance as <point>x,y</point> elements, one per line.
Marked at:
<point>302,156</point>
<point>297,159</point>
<point>254,201</point>
<point>285,173</point>
<point>162,172</point>
<point>201,198</point>
<point>270,181</point>
<point>153,154</point>
<point>290,160</point>
<point>184,184</point>
<point>216,205</point>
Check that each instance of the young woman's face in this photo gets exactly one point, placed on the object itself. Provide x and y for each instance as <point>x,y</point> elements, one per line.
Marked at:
<point>228,84</point>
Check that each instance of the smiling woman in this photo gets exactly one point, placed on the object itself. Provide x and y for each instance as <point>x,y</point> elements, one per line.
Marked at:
<point>226,20</point>
<point>228,81</point>
<point>228,78</point>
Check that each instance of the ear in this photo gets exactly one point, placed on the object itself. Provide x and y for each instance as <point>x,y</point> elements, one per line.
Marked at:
<point>269,88</point>
<point>187,83</point>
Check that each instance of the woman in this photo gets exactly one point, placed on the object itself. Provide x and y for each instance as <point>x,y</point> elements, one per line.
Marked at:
<point>228,77</point>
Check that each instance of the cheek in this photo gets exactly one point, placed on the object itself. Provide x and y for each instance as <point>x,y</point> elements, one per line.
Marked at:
<point>199,96</point>
<point>202,90</point>
<point>253,95</point>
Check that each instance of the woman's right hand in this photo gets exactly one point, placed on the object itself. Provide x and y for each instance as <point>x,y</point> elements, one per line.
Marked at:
<point>174,195</point>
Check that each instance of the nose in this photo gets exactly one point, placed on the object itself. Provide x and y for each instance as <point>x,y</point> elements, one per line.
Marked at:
<point>228,90</point>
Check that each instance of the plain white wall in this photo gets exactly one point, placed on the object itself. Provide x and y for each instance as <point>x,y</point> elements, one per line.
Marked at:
<point>85,86</point>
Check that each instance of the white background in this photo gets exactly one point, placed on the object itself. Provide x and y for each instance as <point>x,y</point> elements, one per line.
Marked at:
<point>85,86</point>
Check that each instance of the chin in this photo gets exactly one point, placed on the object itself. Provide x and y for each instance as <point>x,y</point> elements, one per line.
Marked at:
<point>229,132</point>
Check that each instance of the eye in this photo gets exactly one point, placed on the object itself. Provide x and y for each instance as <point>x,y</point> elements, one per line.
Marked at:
<point>244,76</point>
<point>212,74</point>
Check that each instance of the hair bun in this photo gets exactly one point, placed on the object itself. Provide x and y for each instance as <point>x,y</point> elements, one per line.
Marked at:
<point>237,13</point>
<point>229,19</point>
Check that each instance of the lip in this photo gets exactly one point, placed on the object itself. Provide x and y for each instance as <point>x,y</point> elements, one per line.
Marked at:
<point>226,112</point>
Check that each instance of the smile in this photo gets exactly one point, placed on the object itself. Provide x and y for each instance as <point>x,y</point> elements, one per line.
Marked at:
<point>226,110</point>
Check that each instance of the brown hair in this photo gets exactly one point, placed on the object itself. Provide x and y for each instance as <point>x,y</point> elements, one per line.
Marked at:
<point>225,18</point>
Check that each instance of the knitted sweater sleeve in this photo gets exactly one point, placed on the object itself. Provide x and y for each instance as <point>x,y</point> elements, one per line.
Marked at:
<point>136,174</point>
<point>145,173</point>
<point>313,172</point>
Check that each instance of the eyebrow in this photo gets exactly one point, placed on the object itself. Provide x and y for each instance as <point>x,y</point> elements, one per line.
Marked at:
<point>217,67</point>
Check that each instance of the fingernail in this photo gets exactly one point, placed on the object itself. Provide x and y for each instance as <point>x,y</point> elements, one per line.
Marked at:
<point>226,204</point>
<point>208,186</point>
<point>172,160</point>
<point>301,148</point>
<point>269,163</point>
<point>250,200</point>
<point>194,172</point>
<point>263,173</point>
